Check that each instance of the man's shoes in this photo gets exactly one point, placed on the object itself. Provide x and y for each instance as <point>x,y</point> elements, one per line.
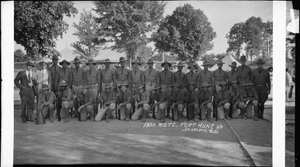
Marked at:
<point>126,119</point>
<point>30,120</point>
<point>168,116</point>
<point>196,119</point>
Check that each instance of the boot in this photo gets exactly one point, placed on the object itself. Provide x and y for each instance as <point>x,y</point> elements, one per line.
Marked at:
<point>168,114</point>
<point>51,116</point>
<point>209,115</point>
<point>127,115</point>
<point>180,116</point>
<point>92,116</point>
<point>262,108</point>
<point>227,114</point>
<point>255,113</point>
<point>243,110</point>
<point>162,116</point>
<point>144,115</point>
<point>108,115</point>
<point>196,115</point>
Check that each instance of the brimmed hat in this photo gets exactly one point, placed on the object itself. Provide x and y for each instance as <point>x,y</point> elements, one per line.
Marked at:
<point>192,64</point>
<point>205,84</point>
<point>220,62</point>
<point>233,64</point>
<point>260,61</point>
<point>247,83</point>
<point>136,62</point>
<point>64,61</point>
<point>30,63</point>
<point>54,57</point>
<point>122,59</point>
<point>107,85</point>
<point>45,87</point>
<point>140,87</point>
<point>123,84</point>
<point>176,85</point>
<point>166,62</point>
<point>180,64</point>
<point>91,61</point>
<point>85,87</point>
<point>107,61</point>
<point>76,60</point>
<point>243,59</point>
<point>206,63</point>
<point>150,61</point>
<point>221,83</point>
<point>157,87</point>
<point>63,83</point>
<point>194,84</point>
<point>43,62</point>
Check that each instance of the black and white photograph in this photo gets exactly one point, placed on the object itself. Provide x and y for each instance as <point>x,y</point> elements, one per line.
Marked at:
<point>149,82</point>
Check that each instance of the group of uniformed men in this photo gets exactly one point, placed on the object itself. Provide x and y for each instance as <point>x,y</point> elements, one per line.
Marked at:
<point>133,94</point>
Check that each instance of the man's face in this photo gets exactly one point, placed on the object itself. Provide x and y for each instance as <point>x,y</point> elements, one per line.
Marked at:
<point>233,68</point>
<point>55,62</point>
<point>84,90</point>
<point>223,87</point>
<point>124,88</point>
<point>176,89</point>
<point>157,91</point>
<point>77,65</point>
<point>180,68</point>
<point>135,65</point>
<point>46,92</point>
<point>220,66</point>
<point>123,64</point>
<point>44,66</point>
<point>259,66</point>
<point>166,66</point>
<point>191,87</point>
<point>107,90</point>
<point>205,67</point>
<point>247,87</point>
<point>29,68</point>
<point>243,62</point>
<point>65,65</point>
<point>63,88</point>
<point>107,65</point>
<point>150,65</point>
<point>204,88</point>
<point>141,91</point>
<point>91,65</point>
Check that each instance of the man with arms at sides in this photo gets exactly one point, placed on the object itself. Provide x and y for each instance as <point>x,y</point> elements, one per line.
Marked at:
<point>151,76</point>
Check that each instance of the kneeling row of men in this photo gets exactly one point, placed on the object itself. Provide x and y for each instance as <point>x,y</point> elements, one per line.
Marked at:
<point>198,103</point>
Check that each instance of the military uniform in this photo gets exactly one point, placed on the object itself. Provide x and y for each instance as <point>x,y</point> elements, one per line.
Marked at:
<point>142,109</point>
<point>151,79</point>
<point>125,109</point>
<point>137,79</point>
<point>246,105</point>
<point>234,99</point>
<point>191,97</point>
<point>109,107</point>
<point>262,84</point>
<point>65,74</point>
<point>93,80</point>
<point>205,76</point>
<point>190,77</point>
<point>205,102</point>
<point>67,102</point>
<point>244,73</point>
<point>164,100</point>
<point>223,95</point>
<point>179,98</point>
<point>54,70</point>
<point>49,99</point>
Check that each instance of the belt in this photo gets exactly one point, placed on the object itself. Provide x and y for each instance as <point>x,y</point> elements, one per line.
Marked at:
<point>260,84</point>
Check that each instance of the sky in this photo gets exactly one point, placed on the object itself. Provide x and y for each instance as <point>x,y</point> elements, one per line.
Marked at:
<point>221,14</point>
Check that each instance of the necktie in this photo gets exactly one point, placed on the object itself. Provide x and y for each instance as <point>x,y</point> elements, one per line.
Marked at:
<point>122,71</point>
<point>179,75</point>
<point>192,74</point>
<point>259,71</point>
<point>149,71</point>
<point>232,73</point>
<point>205,73</point>
<point>242,68</point>
<point>45,98</point>
<point>29,77</point>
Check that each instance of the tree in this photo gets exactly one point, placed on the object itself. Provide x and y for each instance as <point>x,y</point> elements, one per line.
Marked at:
<point>89,43</point>
<point>125,23</point>
<point>255,34</point>
<point>186,33</point>
<point>20,56</point>
<point>290,45</point>
<point>144,53</point>
<point>38,23</point>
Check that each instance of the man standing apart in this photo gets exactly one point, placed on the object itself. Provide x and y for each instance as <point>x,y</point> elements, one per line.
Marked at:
<point>151,76</point>
<point>78,79</point>
<point>26,92</point>
<point>262,84</point>
<point>165,80</point>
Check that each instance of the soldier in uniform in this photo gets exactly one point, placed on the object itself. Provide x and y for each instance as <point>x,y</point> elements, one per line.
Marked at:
<point>205,101</point>
<point>244,71</point>
<point>191,76</point>
<point>206,75</point>
<point>78,79</point>
<point>108,99</point>
<point>46,102</point>
<point>65,73</point>
<point>107,75</point>
<point>249,98</point>
<point>235,99</point>
<point>222,99</point>
<point>54,69</point>
<point>142,105</point>
<point>124,101</point>
<point>179,76</point>
<point>26,92</point>
<point>233,75</point>
<point>87,103</point>
<point>162,98</point>
<point>165,80</point>
<point>178,99</point>
<point>122,74</point>
<point>136,77</point>
<point>219,75</point>
<point>67,100</point>
<point>192,104</point>
<point>151,76</point>
<point>93,77</point>
<point>262,84</point>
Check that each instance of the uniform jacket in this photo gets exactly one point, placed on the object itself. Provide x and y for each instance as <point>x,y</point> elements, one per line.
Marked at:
<point>205,76</point>
<point>261,77</point>
<point>107,75</point>
<point>151,75</point>
<point>165,77</point>
<point>179,78</point>
<point>43,98</point>
<point>245,73</point>
<point>78,77</point>
<point>220,75</point>
<point>54,70</point>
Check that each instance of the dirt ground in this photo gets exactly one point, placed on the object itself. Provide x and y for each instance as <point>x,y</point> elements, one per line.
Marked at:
<point>120,142</point>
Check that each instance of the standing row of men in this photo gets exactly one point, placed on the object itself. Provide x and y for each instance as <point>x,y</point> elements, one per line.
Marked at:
<point>80,88</point>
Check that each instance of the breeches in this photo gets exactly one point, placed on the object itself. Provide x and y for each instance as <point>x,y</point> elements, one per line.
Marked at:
<point>137,114</point>
<point>85,110</point>
<point>123,109</point>
<point>262,92</point>
<point>102,111</point>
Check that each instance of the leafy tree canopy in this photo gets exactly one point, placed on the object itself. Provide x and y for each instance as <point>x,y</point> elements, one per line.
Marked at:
<point>38,23</point>
<point>186,33</point>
